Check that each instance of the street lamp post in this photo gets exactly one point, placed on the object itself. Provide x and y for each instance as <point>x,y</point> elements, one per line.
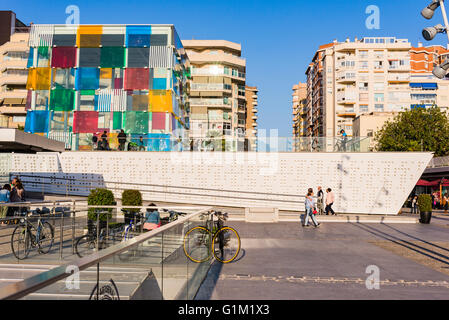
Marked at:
<point>430,33</point>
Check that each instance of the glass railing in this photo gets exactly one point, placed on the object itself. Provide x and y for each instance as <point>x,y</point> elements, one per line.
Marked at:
<point>215,142</point>
<point>112,259</point>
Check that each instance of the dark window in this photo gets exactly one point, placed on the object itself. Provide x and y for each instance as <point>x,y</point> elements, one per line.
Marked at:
<point>112,40</point>
<point>138,57</point>
<point>64,40</point>
<point>89,57</point>
<point>158,40</point>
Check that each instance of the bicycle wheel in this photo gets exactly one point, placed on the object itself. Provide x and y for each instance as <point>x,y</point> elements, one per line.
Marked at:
<point>197,244</point>
<point>226,245</point>
<point>21,242</point>
<point>85,245</point>
<point>46,237</point>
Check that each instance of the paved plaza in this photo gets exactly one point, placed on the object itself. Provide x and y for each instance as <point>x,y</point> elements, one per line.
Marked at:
<point>286,261</point>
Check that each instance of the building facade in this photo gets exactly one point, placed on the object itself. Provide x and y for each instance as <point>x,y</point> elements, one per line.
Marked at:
<point>13,70</point>
<point>351,78</point>
<point>367,125</point>
<point>217,93</point>
<point>84,80</point>
<point>251,94</point>
<point>299,112</point>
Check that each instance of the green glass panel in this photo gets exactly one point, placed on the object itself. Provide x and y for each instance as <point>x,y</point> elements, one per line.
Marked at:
<point>136,122</point>
<point>117,120</point>
<point>112,57</point>
<point>62,100</point>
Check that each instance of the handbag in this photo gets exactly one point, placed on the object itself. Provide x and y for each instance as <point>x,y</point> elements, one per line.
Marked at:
<point>315,212</point>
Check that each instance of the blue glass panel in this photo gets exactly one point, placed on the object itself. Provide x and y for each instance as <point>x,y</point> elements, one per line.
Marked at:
<point>159,84</point>
<point>87,79</point>
<point>138,36</point>
<point>30,58</point>
<point>37,121</point>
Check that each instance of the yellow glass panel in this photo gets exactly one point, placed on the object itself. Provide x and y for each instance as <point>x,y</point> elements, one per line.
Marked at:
<point>106,73</point>
<point>89,36</point>
<point>85,148</point>
<point>39,79</point>
<point>160,101</point>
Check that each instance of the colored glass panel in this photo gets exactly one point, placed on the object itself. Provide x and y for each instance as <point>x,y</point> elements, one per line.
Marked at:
<point>39,79</point>
<point>159,84</point>
<point>138,36</point>
<point>62,100</point>
<point>87,79</point>
<point>89,57</point>
<point>43,57</point>
<point>112,57</point>
<point>85,121</point>
<point>106,73</point>
<point>137,79</point>
<point>117,120</point>
<point>89,36</point>
<point>136,122</point>
<point>160,101</point>
<point>63,78</point>
<point>112,40</point>
<point>63,57</point>
<point>138,57</point>
<point>140,102</point>
<point>64,40</point>
<point>30,62</point>
<point>158,142</point>
<point>158,122</point>
<point>159,40</point>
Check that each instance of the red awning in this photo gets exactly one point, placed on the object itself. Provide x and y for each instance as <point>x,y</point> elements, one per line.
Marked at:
<point>436,183</point>
<point>424,183</point>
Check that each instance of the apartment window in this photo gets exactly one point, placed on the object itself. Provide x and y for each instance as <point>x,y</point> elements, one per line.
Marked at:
<point>18,119</point>
<point>363,108</point>
<point>363,64</point>
<point>378,65</point>
<point>369,133</point>
<point>364,97</point>
<point>379,97</point>
<point>363,86</point>
<point>379,86</point>
<point>363,54</point>
<point>379,107</point>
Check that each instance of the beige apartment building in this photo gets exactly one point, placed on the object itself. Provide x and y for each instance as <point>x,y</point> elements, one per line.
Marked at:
<point>367,125</point>
<point>13,71</point>
<point>251,94</point>
<point>372,78</point>
<point>217,92</point>
<point>299,111</point>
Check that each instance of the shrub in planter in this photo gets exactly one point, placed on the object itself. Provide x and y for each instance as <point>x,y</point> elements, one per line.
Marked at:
<point>131,198</point>
<point>425,208</point>
<point>99,197</point>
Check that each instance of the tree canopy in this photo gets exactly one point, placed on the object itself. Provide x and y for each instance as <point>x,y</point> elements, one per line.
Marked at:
<point>418,129</point>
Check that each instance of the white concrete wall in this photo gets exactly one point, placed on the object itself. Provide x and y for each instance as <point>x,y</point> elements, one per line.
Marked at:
<point>370,183</point>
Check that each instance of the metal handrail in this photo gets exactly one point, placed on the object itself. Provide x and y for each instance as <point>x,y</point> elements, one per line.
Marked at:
<point>22,288</point>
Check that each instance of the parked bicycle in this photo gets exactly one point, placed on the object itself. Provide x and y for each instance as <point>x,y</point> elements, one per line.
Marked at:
<point>130,231</point>
<point>28,235</point>
<point>216,239</point>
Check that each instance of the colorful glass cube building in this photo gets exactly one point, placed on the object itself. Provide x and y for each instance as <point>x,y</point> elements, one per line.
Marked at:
<point>87,79</point>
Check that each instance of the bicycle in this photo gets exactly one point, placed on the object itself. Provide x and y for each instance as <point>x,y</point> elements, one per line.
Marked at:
<point>200,242</point>
<point>87,244</point>
<point>23,238</point>
<point>129,232</point>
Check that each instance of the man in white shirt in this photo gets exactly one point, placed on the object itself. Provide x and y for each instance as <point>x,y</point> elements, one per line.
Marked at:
<point>330,198</point>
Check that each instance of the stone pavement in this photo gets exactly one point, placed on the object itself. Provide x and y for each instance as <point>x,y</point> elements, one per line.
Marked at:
<point>286,261</point>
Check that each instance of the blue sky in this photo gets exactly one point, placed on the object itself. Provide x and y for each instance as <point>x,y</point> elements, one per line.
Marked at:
<point>278,38</point>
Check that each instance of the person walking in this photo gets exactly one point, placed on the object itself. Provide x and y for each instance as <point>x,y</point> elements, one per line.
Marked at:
<point>415,205</point>
<point>4,198</point>
<point>17,195</point>
<point>94,142</point>
<point>310,208</point>
<point>320,201</point>
<point>121,137</point>
<point>344,139</point>
<point>330,198</point>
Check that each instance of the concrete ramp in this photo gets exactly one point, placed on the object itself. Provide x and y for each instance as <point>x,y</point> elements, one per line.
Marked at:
<point>261,215</point>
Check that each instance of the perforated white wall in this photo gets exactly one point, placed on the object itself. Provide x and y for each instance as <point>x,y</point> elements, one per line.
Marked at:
<point>371,183</point>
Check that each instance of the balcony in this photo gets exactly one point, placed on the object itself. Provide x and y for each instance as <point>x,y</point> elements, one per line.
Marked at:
<point>219,72</point>
<point>13,110</point>
<point>210,102</point>
<point>254,103</point>
<point>219,57</point>
<point>398,78</point>
<point>396,68</point>
<point>14,94</point>
<point>254,117</point>
<point>13,79</point>
<point>346,97</point>
<point>255,110</point>
<point>347,77</point>
<point>13,64</point>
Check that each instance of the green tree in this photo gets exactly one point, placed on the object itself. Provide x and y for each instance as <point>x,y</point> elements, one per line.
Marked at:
<point>418,129</point>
